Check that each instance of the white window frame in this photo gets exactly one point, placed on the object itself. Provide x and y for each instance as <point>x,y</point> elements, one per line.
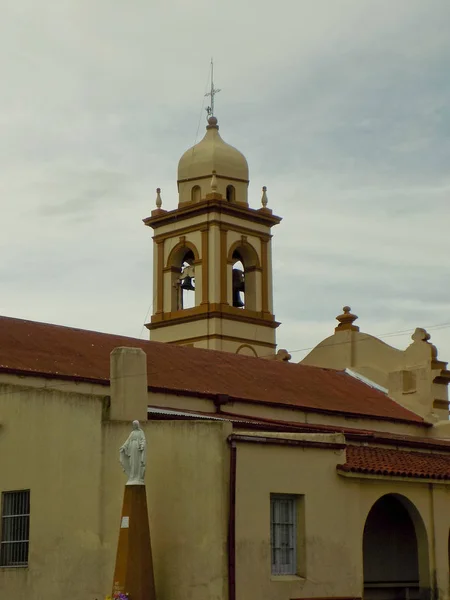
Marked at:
<point>15,528</point>
<point>283,534</point>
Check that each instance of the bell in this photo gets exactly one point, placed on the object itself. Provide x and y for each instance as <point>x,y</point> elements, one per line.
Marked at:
<point>186,284</point>
<point>237,301</point>
<point>238,287</point>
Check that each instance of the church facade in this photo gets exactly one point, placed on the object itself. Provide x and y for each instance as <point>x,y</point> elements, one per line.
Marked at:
<point>265,478</point>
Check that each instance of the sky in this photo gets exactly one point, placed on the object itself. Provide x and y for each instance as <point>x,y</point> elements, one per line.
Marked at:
<point>340,106</point>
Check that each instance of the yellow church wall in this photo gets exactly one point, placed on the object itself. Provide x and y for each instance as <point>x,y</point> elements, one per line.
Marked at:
<point>214,249</point>
<point>55,444</point>
<point>285,413</point>
<point>68,457</point>
<point>270,279</point>
<point>177,228</point>
<point>261,338</point>
<point>408,375</point>
<point>235,236</point>
<point>187,491</point>
<point>194,237</point>
<point>335,511</point>
<point>66,386</point>
<point>185,189</point>
<point>50,444</point>
<point>237,223</point>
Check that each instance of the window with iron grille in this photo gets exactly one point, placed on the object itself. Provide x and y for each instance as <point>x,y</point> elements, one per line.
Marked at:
<point>15,528</point>
<point>283,534</point>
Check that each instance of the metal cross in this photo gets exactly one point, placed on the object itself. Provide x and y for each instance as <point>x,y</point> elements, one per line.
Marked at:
<point>212,92</point>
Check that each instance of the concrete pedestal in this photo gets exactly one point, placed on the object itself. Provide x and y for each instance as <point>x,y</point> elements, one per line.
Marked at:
<point>133,573</point>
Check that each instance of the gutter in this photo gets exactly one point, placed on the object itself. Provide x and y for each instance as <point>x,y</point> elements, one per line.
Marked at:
<point>256,439</point>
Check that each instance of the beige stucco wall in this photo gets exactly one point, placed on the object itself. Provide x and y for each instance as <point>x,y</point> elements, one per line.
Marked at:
<point>55,444</point>
<point>50,443</point>
<point>409,375</point>
<point>336,509</point>
<point>187,492</point>
<point>208,273</point>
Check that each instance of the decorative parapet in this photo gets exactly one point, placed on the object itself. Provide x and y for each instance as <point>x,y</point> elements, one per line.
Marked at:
<point>414,377</point>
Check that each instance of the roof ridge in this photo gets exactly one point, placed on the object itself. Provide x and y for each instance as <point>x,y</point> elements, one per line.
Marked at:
<point>32,347</point>
<point>165,344</point>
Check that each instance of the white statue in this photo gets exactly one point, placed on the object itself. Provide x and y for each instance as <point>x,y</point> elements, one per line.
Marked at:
<point>133,456</point>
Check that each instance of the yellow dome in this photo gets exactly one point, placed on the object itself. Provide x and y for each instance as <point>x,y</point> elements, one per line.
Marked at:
<point>212,154</point>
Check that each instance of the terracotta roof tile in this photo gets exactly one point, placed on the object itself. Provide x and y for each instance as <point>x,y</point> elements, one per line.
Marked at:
<point>388,461</point>
<point>29,347</point>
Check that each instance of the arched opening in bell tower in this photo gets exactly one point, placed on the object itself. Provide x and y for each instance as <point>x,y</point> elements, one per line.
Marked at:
<point>182,263</point>
<point>244,276</point>
<point>238,282</point>
<point>186,282</point>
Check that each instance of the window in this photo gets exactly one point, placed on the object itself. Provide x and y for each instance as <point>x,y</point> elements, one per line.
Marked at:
<point>196,193</point>
<point>231,193</point>
<point>15,528</point>
<point>283,534</point>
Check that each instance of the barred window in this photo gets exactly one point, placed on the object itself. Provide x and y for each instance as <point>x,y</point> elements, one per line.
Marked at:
<point>15,529</point>
<point>283,533</point>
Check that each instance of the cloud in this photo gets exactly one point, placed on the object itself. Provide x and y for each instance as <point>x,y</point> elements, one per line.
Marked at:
<point>340,108</point>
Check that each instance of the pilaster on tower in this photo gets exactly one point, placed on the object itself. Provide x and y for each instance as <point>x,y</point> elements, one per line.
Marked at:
<point>212,259</point>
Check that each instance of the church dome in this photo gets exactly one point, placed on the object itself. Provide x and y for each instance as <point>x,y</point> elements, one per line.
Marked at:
<point>212,154</point>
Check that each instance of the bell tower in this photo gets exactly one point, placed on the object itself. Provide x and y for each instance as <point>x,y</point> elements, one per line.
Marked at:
<point>212,261</point>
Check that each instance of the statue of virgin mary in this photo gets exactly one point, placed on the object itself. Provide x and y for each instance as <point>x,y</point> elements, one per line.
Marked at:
<point>133,456</point>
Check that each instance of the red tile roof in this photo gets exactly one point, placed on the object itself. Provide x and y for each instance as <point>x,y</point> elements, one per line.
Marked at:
<point>29,348</point>
<point>388,461</point>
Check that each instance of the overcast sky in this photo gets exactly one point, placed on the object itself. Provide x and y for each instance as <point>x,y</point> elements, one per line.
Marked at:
<point>340,106</point>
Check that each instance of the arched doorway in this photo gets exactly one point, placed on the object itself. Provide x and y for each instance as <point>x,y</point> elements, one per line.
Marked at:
<point>395,551</point>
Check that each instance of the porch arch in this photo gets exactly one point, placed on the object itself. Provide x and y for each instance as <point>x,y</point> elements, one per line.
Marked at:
<point>395,551</point>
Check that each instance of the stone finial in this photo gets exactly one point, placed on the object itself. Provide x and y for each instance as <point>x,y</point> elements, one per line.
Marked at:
<point>212,123</point>
<point>346,320</point>
<point>158,198</point>
<point>214,182</point>
<point>264,199</point>
<point>422,336</point>
<point>281,356</point>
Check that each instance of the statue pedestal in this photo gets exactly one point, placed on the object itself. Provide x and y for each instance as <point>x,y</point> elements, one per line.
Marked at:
<point>133,573</point>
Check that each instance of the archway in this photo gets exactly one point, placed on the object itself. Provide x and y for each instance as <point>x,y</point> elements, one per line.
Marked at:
<point>395,551</point>
<point>196,193</point>
<point>245,263</point>
<point>182,261</point>
<point>230,193</point>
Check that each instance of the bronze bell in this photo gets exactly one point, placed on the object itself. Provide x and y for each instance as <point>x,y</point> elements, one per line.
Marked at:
<point>186,284</point>
<point>238,286</point>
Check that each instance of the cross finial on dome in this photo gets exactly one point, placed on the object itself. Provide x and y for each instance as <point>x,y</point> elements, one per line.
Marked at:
<point>213,91</point>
